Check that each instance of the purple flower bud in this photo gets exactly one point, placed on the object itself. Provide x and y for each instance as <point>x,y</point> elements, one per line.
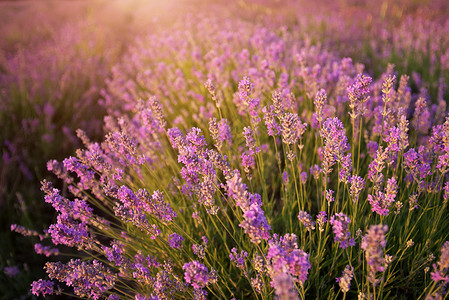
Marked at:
<point>340,226</point>
<point>175,240</point>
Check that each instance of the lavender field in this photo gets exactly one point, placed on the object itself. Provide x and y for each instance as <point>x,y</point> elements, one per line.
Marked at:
<point>193,149</point>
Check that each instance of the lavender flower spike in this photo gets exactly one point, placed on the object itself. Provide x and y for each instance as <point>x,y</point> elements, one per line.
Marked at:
<point>442,266</point>
<point>373,243</point>
<point>340,227</point>
<point>42,287</point>
<point>345,281</point>
<point>196,274</point>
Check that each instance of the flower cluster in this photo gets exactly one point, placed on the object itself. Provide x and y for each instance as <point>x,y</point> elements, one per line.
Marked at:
<point>345,281</point>
<point>381,202</point>
<point>340,226</point>
<point>335,147</point>
<point>285,257</point>
<point>373,243</point>
<point>196,274</point>
<point>238,259</point>
<point>190,194</point>
<point>88,279</point>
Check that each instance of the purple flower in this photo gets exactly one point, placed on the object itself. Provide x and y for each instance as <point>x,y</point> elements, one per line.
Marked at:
<point>284,257</point>
<point>115,252</point>
<point>156,109</point>
<point>376,166</point>
<point>328,195</point>
<point>357,185</point>
<point>346,168</point>
<point>442,266</point>
<point>421,116</point>
<point>24,231</point>
<point>278,105</point>
<point>285,178</point>
<point>78,209</point>
<point>176,137</point>
<point>315,171</point>
<point>289,123</point>
<point>239,259</point>
<point>320,100</point>
<point>387,87</point>
<point>436,139</point>
<point>255,223</point>
<point>273,127</point>
<point>42,287</point>
<point>165,285</point>
<point>381,202</point>
<point>345,281</point>
<point>224,131</point>
<point>397,137</point>
<point>321,219</point>
<point>357,95</point>
<point>416,167</point>
<point>199,294</point>
<point>156,205</point>
<point>85,175</point>
<point>199,250</point>
<point>306,220</point>
<point>196,274</point>
<point>11,271</point>
<point>284,286</point>
<point>248,133</point>
<point>335,145</point>
<point>246,89</point>
<point>88,278</point>
<point>220,132</point>
<point>372,147</point>
<point>45,250</point>
<point>237,190</point>
<point>373,243</point>
<point>196,139</point>
<point>70,232</point>
<point>303,176</point>
<point>257,283</point>
<point>248,161</point>
<point>340,228</point>
<point>175,240</point>
<point>141,272</point>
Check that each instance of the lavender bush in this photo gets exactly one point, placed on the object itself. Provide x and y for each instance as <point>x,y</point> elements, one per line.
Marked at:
<point>249,159</point>
<point>263,166</point>
<point>52,70</point>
